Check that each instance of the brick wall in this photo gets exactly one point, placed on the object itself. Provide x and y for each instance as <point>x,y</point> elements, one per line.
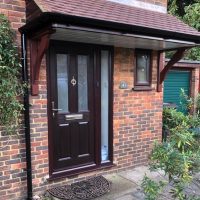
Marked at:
<point>137,123</point>
<point>137,114</point>
<point>12,149</point>
<point>39,133</point>
<point>15,11</point>
<point>195,82</point>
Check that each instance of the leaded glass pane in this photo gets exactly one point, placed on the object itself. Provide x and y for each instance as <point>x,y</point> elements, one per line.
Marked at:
<point>82,83</point>
<point>143,62</point>
<point>62,82</point>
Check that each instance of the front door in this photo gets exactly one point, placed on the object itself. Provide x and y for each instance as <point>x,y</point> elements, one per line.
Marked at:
<point>71,108</point>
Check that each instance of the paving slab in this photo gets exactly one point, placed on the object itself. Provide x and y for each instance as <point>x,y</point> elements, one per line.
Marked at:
<point>120,187</point>
<point>138,194</point>
<point>137,174</point>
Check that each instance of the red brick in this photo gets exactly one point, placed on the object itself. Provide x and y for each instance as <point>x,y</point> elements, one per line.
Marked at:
<point>18,166</point>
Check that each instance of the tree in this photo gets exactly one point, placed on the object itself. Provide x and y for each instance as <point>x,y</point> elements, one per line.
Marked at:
<point>189,12</point>
<point>177,7</point>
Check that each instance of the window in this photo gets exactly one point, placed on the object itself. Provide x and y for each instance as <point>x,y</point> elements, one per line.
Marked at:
<point>105,79</point>
<point>142,70</point>
<point>105,105</point>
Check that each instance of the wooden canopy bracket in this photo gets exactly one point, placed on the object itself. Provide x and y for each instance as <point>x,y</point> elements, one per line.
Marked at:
<point>38,47</point>
<point>162,71</point>
<point>160,65</point>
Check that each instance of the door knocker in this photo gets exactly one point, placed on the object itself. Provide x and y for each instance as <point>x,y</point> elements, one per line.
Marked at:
<point>73,81</point>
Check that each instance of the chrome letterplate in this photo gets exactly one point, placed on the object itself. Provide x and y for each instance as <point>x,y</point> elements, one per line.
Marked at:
<point>74,116</point>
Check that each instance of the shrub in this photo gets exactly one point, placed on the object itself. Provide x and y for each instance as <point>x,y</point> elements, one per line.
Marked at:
<point>10,85</point>
<point>151,188</point>
<point>172,118</point>
<point>179,154</point>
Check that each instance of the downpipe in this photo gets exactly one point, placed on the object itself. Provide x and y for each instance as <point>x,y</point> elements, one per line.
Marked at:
<point>26,118</point>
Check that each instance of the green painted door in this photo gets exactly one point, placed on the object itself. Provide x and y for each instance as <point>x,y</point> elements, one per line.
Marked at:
<point>174,81</point>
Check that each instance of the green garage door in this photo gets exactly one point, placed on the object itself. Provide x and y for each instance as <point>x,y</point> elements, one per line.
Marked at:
<point>174,81</point>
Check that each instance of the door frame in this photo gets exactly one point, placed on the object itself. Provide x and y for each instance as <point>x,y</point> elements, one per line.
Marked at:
<point>97,108</point>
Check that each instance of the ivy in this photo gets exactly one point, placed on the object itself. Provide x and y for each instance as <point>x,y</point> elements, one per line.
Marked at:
<point>11,87</point>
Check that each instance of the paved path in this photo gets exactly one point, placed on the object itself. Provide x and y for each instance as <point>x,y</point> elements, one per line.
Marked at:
<point>126,185</point>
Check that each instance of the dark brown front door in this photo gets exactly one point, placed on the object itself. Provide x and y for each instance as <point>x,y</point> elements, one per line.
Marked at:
<point>71,108</point>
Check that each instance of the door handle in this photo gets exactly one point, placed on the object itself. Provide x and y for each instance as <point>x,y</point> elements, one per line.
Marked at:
<point>54,109</point>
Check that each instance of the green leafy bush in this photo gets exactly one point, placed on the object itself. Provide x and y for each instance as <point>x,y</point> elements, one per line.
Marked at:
<point>11,87</point>
<point>172,118</point>
<point>197,102</point>
<point>152,188</point>
<point>186,102</point>
<point>179,154</point>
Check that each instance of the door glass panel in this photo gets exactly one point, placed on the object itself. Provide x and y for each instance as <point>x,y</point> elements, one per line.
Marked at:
<point>104,104</point>
<point>62,82</point>
<point>82,83</point>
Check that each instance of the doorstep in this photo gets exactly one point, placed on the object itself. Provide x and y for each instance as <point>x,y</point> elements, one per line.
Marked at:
<point>125,185</point>
<point>121,189</point>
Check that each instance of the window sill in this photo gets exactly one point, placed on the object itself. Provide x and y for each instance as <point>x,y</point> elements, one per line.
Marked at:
<point>142,88</point>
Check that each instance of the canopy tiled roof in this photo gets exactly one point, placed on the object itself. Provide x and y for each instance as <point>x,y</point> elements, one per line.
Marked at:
<point>115,12</point>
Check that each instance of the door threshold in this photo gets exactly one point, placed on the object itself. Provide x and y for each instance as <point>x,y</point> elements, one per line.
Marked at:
<point>77,171</point>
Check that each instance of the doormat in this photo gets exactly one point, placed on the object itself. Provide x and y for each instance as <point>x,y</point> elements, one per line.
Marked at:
<point>88,189</point>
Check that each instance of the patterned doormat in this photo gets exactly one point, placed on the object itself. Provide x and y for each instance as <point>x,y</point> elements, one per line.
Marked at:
<point>89,189</point>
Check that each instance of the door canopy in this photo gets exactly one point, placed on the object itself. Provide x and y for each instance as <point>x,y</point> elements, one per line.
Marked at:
<point>106,23</point>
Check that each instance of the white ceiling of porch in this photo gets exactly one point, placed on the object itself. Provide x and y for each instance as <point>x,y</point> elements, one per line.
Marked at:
<point>76,34</point>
